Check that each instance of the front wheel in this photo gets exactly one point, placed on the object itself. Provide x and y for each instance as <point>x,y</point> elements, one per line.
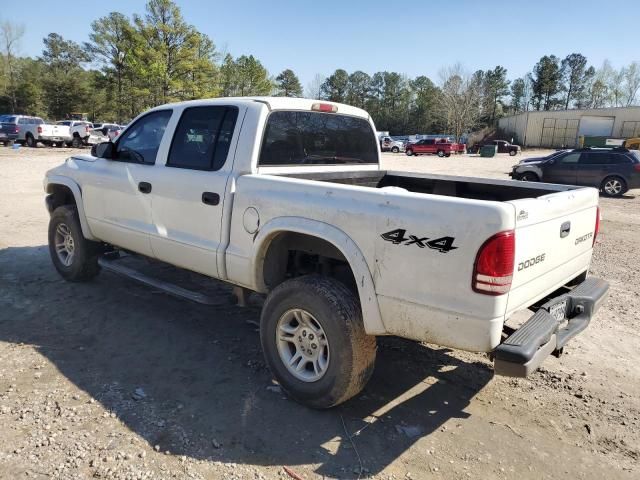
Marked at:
<point>441,153</point>
<point>395,149</point>
<point>314,342</point>
<point>74,257</point>
<point>409,152</point>
<point>529,177</point>
<point>613,186</point>
<point>512,153</point>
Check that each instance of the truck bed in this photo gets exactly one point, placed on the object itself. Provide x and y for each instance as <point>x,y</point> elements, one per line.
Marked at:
<point>450,186</point>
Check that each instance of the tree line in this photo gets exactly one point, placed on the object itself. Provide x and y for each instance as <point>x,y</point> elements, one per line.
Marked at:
<point>129,64</point>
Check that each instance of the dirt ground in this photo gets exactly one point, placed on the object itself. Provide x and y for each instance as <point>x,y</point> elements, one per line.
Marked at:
<point>111,379</point>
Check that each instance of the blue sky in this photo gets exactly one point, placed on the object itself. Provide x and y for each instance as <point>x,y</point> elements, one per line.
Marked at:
<point>412,37</point>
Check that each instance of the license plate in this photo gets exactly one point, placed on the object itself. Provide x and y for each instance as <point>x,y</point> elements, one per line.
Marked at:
<point>2,135</point>
<point>559,310</point>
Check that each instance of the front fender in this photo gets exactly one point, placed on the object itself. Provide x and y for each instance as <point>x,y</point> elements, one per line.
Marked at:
<point>52,180</point>
<point>366,291</point>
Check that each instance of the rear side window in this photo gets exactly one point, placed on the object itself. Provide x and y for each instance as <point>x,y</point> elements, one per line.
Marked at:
<point>593,158</point>
<point>315,138</point>
<point>202,138</point>
<point>618,158</point>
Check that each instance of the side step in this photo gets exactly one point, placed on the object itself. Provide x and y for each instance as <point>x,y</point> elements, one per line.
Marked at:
<point>167,287</point>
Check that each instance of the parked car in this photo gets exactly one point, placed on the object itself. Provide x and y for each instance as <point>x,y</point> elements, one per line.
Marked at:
<point>456,147</point>
<point>389,144</point>
<point>286,197</point>
<point>114,131</point>
<point>612,171</point>
<point>8,129</point>
<point>104,127</point>
<point>503,147</point>
<point>430,146</point>
<point>80,131</point>
<point>32,130</point>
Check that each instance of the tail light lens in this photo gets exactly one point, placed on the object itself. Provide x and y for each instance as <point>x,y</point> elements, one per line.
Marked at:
<point>39,129</point>
<point>17,130</point>
<point>597,229</point>
<point>324,107</point>
<point>493,270</point>
<point>636,167</point>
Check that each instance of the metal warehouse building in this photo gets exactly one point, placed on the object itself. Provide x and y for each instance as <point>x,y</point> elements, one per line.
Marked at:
<point>562,128</point>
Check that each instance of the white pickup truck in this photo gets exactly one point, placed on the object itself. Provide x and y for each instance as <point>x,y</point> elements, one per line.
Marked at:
<point>32,130</point>
<point>286,197</point>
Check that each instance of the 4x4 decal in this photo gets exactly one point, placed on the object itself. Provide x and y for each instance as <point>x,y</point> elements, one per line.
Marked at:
<point>397,237</point>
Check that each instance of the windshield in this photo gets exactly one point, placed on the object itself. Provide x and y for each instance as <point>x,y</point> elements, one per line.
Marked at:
<point>303,138</point>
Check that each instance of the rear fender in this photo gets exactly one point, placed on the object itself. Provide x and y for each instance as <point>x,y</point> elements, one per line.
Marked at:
<point>366,291</point>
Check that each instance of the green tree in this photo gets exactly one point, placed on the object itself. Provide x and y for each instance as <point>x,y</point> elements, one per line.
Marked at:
<point>518,95</point>
<point>496,86</point>
<point>10,35</point>
<point>547,82</point>
<point>65,81</point>
<point>335,87</point>
<point>110,45</point>
<point>358,89</point>
<point>288,84</point>
<point>573,72</point>
<point>425,116</point>
<point>244,76</point>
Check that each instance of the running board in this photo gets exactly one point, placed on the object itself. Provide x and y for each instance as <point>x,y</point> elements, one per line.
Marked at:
<point>167,287</point>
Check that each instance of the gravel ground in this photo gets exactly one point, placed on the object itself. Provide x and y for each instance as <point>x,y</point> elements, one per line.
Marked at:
<point>111,379</point>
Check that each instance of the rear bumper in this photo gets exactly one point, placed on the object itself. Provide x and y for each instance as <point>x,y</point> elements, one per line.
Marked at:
<point>543,334</point>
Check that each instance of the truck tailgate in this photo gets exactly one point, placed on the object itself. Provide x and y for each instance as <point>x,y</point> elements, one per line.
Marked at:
<point>554,240</point>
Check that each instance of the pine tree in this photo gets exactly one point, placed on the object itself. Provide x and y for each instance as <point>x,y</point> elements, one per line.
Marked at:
<point>288,84</point>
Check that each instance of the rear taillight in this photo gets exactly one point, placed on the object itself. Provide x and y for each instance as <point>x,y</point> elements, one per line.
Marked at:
<point>17,130</point>
<point>597,229</point>
<point>636,167</point>
<point>493,270</point>
<point>86,129</point>
<point>39,129</point>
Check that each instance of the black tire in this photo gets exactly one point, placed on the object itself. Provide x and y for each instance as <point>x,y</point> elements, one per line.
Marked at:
<point>395,150</point>
<point>30,141</point>
<point>76,142</point>
<point>409,152</point>
<point>441,153</point>
<point>512,153</point>
<point>83,265</point>
<point>613,186</point>
<point>351,352</point>
<point>529,177</point>
<point>447,155</point>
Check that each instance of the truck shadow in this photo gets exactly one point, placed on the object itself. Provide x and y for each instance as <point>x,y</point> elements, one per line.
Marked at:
<point>206,390</point>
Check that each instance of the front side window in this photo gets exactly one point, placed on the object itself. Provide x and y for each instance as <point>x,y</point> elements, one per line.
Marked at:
<point>315,138</point>
<point>202,138</point>
<point>141,142</point>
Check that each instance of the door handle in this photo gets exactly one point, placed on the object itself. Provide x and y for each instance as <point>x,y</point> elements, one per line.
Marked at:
<point>144,187</point>
<point>210,198</point>
<point>565,228</point>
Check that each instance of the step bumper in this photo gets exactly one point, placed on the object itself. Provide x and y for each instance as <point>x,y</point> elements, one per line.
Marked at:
<point>549,329</point>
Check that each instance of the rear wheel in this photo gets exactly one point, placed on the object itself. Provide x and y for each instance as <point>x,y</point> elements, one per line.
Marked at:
<point>512,153</point>
<point>441,153</point>
<point>529,177</point>
<point>613,186</point>
<point>395,149</point>
<point>74,257</point>
<point>30,141</point>
<point>314,341</point>
<point>447,154</point>
<point>76,142</point>
<point>409,152</point>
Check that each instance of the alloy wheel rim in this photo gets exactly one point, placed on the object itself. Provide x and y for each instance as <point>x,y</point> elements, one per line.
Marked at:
<point>64,244</point>
<point>613,187</point>
<point>302,345</point>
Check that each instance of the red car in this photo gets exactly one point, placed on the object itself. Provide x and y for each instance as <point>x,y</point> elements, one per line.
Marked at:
<point>442,148</point>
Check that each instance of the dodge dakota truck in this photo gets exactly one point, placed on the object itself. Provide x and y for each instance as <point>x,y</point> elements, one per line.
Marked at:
<point>286,197</point>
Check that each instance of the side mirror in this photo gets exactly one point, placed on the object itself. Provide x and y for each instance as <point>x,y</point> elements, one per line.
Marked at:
<point>103,150</point>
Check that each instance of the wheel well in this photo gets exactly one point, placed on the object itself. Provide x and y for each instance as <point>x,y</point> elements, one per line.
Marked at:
<point>76,134</point>
<point>59,195</point>
<point>292,254</point>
